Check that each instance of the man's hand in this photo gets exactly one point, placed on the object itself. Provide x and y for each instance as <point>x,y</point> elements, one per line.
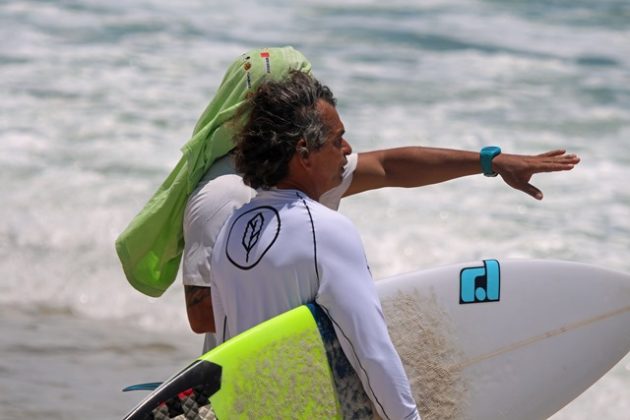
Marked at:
<point>411,167</point>
<point>517,170</point>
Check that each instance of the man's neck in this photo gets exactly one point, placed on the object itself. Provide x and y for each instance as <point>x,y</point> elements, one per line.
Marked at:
<point>292,184</point>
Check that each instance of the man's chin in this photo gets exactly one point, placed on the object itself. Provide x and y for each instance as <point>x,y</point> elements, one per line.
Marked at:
<point>336,182</point>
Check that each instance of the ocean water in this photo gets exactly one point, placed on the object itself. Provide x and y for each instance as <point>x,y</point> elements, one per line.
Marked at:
<point>96,98</point>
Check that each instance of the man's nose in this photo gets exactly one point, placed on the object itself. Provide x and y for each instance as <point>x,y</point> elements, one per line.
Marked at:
<point>347,149</point>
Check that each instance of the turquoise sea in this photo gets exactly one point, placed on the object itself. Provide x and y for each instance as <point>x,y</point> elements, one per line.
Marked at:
<point>96,98</point>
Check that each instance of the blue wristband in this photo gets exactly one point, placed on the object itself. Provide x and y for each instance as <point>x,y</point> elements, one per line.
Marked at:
<point>485,156</point>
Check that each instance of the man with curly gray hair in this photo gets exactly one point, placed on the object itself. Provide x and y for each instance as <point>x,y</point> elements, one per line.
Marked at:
<point>281,115</point>
<point>285,249</point>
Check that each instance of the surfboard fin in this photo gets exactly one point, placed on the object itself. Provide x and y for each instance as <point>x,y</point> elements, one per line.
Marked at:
<point>149,386</point>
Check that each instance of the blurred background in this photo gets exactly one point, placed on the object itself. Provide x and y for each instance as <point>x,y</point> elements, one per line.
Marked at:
<point>96,98</point>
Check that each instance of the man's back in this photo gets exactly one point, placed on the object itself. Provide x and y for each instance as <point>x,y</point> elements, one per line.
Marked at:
<point>265,260</point>
<point>283,250</point>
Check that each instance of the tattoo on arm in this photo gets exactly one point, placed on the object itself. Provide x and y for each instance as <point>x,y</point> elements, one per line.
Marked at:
<point>196,295</point>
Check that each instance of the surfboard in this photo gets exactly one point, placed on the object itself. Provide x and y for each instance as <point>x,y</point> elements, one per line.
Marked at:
<point>515,339</point>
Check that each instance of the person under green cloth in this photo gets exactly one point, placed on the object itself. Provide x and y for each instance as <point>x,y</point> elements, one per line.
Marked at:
<point>186,213</point>
<point>150,248</point>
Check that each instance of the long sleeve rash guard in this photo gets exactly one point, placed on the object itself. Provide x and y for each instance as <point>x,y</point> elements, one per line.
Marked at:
<point>283,250</point>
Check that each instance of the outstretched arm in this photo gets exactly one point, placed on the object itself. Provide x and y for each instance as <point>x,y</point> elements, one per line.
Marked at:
<point>418,166</point>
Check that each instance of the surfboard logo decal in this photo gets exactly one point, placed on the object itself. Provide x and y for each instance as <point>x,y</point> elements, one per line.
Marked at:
<point>480,284</point>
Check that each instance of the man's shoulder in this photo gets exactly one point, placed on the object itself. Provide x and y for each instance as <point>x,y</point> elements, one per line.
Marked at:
<point>325,212</point>
<point>213,197</point>
<point>330,222</point>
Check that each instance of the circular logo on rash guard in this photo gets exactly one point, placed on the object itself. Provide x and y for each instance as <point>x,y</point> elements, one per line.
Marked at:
<point>251,235</point>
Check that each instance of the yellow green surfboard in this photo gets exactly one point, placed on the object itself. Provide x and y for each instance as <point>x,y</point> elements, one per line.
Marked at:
<point>290,366</point>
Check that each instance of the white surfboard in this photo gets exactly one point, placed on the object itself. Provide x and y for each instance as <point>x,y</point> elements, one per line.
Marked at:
<point>509,339</point>
<point>485,340</point>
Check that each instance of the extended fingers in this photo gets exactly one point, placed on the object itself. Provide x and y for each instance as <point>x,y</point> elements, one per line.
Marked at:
<point>554,161</point>
<point>553,166</point>
<point>552,153</point>
<point>572,158</point>
<point>560,154</point>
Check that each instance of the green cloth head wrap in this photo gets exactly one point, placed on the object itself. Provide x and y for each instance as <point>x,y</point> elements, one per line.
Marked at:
<point>150,248</point>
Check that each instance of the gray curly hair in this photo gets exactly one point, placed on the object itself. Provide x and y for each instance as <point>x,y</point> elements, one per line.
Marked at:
<point>279,114</point>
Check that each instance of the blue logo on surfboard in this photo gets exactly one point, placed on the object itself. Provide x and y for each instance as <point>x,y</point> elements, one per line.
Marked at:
<point>480,284</point>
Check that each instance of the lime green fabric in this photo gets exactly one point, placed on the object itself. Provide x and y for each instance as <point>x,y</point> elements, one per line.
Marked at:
<point>150,248</point>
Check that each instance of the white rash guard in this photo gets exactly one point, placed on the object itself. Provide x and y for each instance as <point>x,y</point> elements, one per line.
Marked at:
<point>283,250</point>
<point>219,193</point>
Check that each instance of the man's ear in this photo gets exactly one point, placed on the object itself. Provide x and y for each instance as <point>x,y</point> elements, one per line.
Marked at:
<point>302,152</point>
